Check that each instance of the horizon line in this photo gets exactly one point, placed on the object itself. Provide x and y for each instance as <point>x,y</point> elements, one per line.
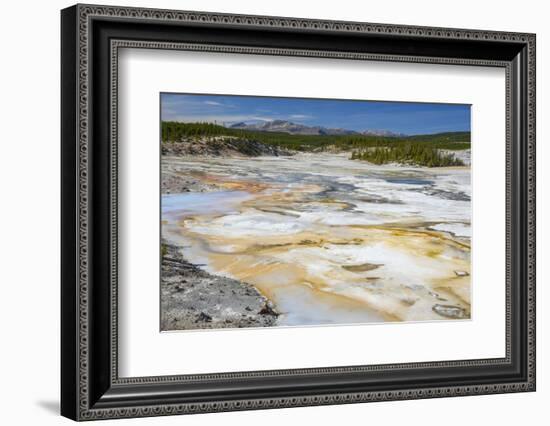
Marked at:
<point>223,124</point>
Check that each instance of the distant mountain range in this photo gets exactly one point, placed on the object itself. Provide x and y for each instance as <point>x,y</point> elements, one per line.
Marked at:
<point>284,126</point>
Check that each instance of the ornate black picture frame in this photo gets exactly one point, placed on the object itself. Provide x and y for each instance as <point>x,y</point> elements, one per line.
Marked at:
<point>91,36</point>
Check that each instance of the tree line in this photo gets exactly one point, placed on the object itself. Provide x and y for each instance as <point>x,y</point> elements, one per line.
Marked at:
<point>412,153</point>
<point>418,149</point>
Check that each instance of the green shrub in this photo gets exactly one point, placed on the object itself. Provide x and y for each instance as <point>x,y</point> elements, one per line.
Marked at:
<point>411,153</point>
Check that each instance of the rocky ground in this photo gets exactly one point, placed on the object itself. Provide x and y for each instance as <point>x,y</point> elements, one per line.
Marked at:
<point>194,299</point>
<point>222,146</point>
<point>173,182</point>
<point>464,155</point>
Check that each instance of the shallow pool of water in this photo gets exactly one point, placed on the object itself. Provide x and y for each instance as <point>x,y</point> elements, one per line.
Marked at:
<point>329,240</point>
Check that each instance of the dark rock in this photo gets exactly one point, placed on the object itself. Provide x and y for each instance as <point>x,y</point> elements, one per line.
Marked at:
<point>450,311</point>
<point>362,268</point>
<point>267,309</point>
<point>202,317</point>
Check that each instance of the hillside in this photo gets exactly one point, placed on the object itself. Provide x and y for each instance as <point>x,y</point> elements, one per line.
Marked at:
<point>218,146</point>
<point>177,132</point>
<point>284,126</point>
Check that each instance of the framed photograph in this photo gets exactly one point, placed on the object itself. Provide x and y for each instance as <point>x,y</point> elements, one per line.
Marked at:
<point>263,212</point>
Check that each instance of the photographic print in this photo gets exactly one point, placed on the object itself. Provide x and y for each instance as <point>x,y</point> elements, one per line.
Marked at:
<point>302,212</point>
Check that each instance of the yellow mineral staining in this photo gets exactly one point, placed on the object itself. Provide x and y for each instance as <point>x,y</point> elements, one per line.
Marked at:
<point>234,185</point>
<point>422,273</point>
<point>399,271</point>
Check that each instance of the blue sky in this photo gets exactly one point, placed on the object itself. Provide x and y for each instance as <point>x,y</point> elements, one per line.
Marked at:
<point>403,117</point>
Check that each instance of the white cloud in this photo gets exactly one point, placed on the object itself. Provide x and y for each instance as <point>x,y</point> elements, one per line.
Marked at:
<point>301,116</point>
<point>186,109</point>
<point>221,118</point>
